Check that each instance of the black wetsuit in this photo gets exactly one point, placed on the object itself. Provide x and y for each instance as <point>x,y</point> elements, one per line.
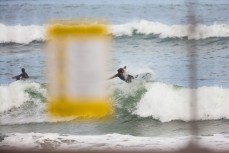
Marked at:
<point>121,76</point>
<point>23,75</point>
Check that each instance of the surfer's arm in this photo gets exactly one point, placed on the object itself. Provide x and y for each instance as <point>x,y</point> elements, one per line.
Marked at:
<point>17,77</point>
<point>113,77</point>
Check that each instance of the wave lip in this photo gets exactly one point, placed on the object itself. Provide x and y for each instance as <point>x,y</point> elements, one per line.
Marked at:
<point>26,34</point>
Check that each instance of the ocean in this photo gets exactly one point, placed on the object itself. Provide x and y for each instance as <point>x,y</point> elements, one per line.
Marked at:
<point>148,36</point>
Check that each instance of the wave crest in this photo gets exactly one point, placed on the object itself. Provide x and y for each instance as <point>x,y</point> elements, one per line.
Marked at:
<point>26,34</point>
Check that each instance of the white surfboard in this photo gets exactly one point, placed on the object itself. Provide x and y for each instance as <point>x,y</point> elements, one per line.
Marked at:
<point>144,76</point>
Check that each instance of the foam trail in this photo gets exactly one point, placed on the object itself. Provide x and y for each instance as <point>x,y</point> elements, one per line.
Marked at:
<point>167,102</point>
<point>114,142</point>
<point>29,33</point>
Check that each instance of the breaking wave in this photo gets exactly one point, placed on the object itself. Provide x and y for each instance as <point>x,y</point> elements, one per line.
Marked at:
<point>22,102</point>
<point>25,102</point>
<point>166,102</point>
<point>25,34</point>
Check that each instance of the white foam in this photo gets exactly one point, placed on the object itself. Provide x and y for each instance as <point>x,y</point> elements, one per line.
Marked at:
<point>17,106</point>
<point>14,95</point>
<point>114,142</point>
<point>166,103</point>
<point>24,102</point>
<point>88,143</point>
<point>29,33</point>
<point>21,34</point>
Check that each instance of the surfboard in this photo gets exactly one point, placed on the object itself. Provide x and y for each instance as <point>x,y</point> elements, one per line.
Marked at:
<point>144,76</point>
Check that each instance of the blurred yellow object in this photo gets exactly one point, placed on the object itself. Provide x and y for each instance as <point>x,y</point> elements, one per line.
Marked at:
<point>76,70</point>
<point>80,108</point>
<point>60,30</point>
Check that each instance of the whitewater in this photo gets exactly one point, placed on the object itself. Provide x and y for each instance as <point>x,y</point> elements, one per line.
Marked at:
<point>28,33</point>
<point>115,142</point>
<point>159,101</point>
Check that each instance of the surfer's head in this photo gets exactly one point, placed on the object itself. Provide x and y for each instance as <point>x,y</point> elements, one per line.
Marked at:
<point>120,70</point>
<point>23,70</point>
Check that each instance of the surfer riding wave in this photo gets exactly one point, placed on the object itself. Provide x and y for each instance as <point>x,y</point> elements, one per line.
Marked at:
<point>22,76</point>
<point>123,75</point>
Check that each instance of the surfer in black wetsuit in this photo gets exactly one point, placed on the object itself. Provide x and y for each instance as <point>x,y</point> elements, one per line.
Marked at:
<point>122,75</point>
<point>21,76</point>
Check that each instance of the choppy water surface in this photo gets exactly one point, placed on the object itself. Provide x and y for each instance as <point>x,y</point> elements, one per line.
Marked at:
<point>149,36</point>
